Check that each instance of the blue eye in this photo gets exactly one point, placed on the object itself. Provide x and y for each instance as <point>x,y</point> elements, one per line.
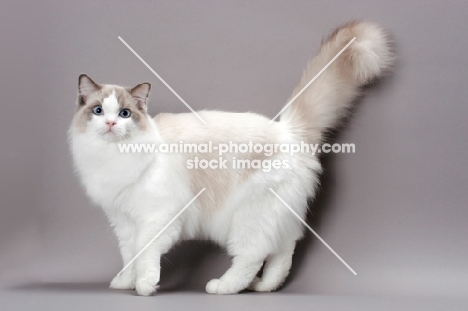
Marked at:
<point>125,113</point>
<point>97,110</point>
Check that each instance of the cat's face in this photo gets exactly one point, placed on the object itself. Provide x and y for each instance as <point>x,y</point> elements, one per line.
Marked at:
<point>110,112</point>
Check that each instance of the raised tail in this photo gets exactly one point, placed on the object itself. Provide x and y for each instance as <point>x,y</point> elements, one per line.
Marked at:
<point>326,101</point>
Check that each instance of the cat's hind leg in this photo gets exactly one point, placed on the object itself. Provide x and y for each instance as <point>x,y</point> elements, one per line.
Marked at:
<point>275,271</point>
<point>243,270</point>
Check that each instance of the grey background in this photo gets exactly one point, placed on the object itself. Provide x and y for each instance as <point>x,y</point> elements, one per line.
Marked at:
<point>396,210</point>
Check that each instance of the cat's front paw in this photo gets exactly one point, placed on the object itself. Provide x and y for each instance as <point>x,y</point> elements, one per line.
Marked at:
<point>146,287</point>
<point>254,283</point>
<point>122,282</point>
<point>216,286</point>
<point>259,285</point>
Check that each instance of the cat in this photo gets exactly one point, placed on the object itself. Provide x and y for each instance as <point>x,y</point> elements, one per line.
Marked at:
<point>141,192</point>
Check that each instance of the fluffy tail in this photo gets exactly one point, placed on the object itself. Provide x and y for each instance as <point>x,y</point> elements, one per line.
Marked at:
<point>321,106</point>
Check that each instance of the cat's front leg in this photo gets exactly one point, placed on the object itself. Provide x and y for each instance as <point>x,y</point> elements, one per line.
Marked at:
<point>124,229</point>
<point>147,265</point>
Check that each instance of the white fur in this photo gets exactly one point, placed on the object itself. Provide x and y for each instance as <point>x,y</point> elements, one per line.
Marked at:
<point>141,192</point>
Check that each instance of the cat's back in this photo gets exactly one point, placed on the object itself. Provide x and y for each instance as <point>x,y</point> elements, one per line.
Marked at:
<point>220,127</point>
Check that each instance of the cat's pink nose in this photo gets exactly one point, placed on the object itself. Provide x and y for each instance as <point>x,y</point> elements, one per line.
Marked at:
<point>111,123</point>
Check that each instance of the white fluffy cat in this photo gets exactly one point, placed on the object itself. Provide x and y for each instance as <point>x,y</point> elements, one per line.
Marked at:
<point>141,192</point>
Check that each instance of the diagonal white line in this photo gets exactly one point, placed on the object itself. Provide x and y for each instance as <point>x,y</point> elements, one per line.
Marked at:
<point>162,80</point>
<point>313,79</point>
<point>312,230</point>
<point>160,232</point>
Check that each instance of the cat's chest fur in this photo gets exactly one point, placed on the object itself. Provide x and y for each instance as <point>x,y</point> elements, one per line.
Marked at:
<point>107,173</point>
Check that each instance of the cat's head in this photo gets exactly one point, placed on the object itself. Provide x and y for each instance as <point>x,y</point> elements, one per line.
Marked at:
<point>110,112</point>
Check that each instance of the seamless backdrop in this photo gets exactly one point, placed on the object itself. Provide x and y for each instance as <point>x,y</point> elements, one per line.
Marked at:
<point>396,210</point>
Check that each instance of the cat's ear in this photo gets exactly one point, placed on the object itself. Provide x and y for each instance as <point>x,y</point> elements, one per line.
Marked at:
<point>140,94</point>
<point>86,86</point>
